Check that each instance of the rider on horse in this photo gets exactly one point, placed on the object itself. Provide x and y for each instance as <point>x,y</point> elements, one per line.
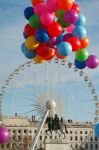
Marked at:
<point>56,122</point>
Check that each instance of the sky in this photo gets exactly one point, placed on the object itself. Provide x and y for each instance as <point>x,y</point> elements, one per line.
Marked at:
<point>12,22</point>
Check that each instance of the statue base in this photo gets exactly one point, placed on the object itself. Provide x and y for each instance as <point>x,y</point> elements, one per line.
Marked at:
<point>57,144</point>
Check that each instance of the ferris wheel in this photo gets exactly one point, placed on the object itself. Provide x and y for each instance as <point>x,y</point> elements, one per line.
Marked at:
<point>31,87</point>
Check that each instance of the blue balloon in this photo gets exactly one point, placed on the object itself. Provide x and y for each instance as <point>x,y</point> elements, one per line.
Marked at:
<point>60,38</point>
<point>81,20</point>
<point>80,65</point>
<point>79,32</point>
<point>27,53</point>
<point>28,12</point>
<point>42,36</point>
<point>24,35</point>
<point>64,48</point>
<point>96,130</point>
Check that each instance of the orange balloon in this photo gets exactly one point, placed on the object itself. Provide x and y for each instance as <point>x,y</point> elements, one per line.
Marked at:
<point>65,4</point>
<point>85,42</point>
<point>50,55</point>
<point>35,2</point>
<point>38,59</point>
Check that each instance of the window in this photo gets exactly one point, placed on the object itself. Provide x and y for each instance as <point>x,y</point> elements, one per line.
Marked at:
<point>76,138</point>
<point>80,132</point>
<point>96,138</point>
<point>40,137</point>
<point>19,131</point>
<point>91,146</point>
<point>45,137</point>
<point>50,137</point>
<point>24,131</point>
<point>96,146</point>
<point>35,131</point>
<point>71,132</point>
<point>30,131</point>
<point>86,132</point>
<point>81,138</point>
<point>91,138</point>
<point>71,138</point>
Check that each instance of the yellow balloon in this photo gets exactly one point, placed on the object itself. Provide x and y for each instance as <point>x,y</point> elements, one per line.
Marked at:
<point>31,43</point>
<point>38,59</point>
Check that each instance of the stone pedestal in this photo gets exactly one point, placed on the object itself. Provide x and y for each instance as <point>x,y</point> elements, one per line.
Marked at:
<point>56,144</point>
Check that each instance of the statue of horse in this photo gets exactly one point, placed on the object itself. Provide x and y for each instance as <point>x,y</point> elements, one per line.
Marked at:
<point>52,126</point>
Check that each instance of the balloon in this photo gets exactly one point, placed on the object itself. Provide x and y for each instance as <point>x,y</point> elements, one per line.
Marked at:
<point>64,48</point>
<point>60,38</point>
<point>84,42</point>
<point>35,2</point>
<point>92,62</point>
<point>80,65</point>
<point>47,18</point>
<point>24,35</point>
<point>65,4</point>
<point>82,55</point>
<point>79,32</point>
<point>70,28</point>
<point>63,23</point>
<point>66,36</point>
<point>29,54</point>
<point>58,55</point>
<point>4,135</point>
<point>50,55</point>
<point>39,8</point>
<point>38,59</point>
<point>81,20</point>
<point>34,21</point>
<point>28,30</point>
<point>71,16</point>
<point>42,50</point>
<point>55,29</point>
<point>76,7</point>
<point>60,13</point>
<point>28,12</point>
<point>75,43</point>
<point>42,36</point>
<point>96,130</point>
<point>31,43</point>
<point>52,5</point>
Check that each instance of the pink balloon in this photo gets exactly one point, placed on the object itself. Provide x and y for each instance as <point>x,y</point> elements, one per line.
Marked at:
<point>52,5</point>
<point>70,28</point>
<point>4,135</point>
<point>92,62</point>
<point>39,8</point>
<point>47,18</point>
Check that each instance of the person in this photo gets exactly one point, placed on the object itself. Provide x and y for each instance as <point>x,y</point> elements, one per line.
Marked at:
<point>56,122</point>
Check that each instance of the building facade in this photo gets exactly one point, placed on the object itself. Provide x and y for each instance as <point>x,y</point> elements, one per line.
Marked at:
<point>23,130</point>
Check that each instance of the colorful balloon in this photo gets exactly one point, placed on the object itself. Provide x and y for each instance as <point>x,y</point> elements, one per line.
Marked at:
<point>82,55</point>
<point>47,18</point>
<point>35,2</point>
<point>76,7</point>
<point>58,55</point>
<point>80,65</point>
<point>28,54</point>
<point>64,48</point>
<point>67,36</point>
<point>43,50</point>
<point>38,59</point>
<point>52,5</point>
<point>84,42</point>
<point>55,29</point>
<point>96,130</point>
<point>29,31</point>
<point>81,20</point>
<point>34,21</point>
<point>31,43</point>
<point>71,16</point>
<point>42,36</point>
<point>24,35</point>
<point>70,28</point>
<point>50,55</point>
<point>65,4</point>
<point>28,12</point>
<point>4,135</point>
<point>92,62</point>
<point>79,32</point>
<point>39,8</point>
<point>75,43</point>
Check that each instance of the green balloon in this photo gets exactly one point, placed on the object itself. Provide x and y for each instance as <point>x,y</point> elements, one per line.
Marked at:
<point>60,13</point>
<point>34,21</point>
<point>63,23</point>
<point>82,55</point>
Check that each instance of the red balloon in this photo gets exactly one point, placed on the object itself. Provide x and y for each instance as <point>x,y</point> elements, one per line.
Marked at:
<point>34,2</point>
<point>75,43</point>
<point>55,29</point>
<point>50,55</point>
<point>85,42</point>
<point>76,7</point>
<point>29,31</point>
<point>42,50</point>
<point>65,4</point>
<point>58,55</point>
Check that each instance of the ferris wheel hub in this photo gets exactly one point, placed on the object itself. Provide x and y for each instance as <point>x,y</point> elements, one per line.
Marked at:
<point>51,105</point>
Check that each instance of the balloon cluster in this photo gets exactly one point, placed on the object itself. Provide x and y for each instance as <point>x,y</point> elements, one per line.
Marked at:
<point>4,135</point>
<point>56,29</point>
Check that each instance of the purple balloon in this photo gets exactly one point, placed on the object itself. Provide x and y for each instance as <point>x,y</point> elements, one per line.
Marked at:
<point>67,36</point>
<point>92,62</point>
<point>4,135</point>
<point>71,16</point>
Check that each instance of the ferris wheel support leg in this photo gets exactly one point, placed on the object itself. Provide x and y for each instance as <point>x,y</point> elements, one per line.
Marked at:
<point>39,131</point>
